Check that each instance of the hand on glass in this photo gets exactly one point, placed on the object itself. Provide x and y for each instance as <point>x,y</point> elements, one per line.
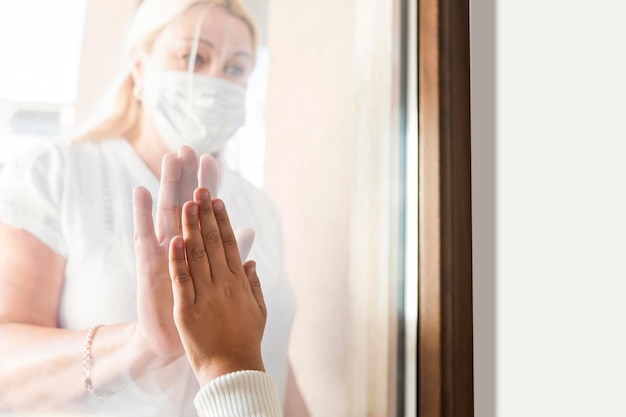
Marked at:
<point>218,303</point>
<point>181,174</point>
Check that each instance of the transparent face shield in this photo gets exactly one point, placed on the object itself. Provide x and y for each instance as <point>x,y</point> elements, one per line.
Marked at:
<point>198,110</point>
<point>244,152</point>
<point>193,55</point>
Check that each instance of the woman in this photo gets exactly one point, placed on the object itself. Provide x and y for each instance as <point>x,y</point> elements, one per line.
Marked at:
<point>66,228</point>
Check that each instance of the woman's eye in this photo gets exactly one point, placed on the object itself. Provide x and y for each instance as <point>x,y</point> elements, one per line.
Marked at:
<point>234,70</point>
<point>198,61</point>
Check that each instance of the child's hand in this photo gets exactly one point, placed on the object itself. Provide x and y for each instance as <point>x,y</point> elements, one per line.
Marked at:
<point>219,309</point>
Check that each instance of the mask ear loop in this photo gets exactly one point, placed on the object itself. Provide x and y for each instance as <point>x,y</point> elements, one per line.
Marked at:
<point>192,58</point>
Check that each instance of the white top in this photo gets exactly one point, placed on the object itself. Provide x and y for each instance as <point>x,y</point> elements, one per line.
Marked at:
<point>77,198</point>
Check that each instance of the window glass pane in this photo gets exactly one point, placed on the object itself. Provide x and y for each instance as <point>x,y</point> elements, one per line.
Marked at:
<point>245,151</point>
<point>41,42</point>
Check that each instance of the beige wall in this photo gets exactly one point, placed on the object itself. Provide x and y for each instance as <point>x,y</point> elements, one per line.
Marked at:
<point>329,167</point>
<point>310,142</point>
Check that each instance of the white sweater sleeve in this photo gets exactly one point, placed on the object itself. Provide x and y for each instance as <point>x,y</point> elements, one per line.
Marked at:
<point>239,394</point>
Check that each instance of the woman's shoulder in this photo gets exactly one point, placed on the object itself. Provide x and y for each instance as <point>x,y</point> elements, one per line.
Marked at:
<point>46,151</point>
<point>50,161</point>
<point>41,158</point>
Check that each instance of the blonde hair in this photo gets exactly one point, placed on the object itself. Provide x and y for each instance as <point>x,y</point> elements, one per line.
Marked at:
<point>121,114</point>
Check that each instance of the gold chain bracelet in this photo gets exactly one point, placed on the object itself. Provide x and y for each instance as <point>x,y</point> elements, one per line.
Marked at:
<point>88,363</point>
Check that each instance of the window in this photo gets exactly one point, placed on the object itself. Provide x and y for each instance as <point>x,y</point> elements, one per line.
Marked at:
<point>40,42</point>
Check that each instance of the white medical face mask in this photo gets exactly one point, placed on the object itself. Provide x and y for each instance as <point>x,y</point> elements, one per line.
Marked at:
<point>199,111</point>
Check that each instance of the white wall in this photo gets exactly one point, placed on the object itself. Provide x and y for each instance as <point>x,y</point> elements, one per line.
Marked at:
<point>549,172</point>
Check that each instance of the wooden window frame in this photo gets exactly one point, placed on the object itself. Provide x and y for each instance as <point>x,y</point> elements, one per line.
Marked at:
<point>445,341</point>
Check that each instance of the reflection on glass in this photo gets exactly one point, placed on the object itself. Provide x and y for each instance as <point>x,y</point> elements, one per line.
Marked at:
<point>314,148</point>
<point>70,205</point>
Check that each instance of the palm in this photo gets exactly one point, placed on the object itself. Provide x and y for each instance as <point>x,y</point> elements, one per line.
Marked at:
<point>180,176</point>
<point>154,301</point>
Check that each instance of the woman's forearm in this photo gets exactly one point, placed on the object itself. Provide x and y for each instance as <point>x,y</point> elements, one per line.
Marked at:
<point>42,367</point>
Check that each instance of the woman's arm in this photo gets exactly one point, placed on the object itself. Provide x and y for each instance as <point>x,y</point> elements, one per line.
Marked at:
<point>41,365</point>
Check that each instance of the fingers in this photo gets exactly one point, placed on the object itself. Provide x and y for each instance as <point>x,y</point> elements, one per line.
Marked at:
<point>189,173</point>
<point>211,236</point>
<point>183,287</point>
<point>145,238</point>
<point>208,174</point>
<point>245,239</point>
<point>180,175</point>
<point>197,261</point>
<point>229,242</point>
<point>168,208</point>
<point>255,286</point>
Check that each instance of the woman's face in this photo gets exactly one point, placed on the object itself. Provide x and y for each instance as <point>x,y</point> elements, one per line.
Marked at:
<point>224,46</point>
